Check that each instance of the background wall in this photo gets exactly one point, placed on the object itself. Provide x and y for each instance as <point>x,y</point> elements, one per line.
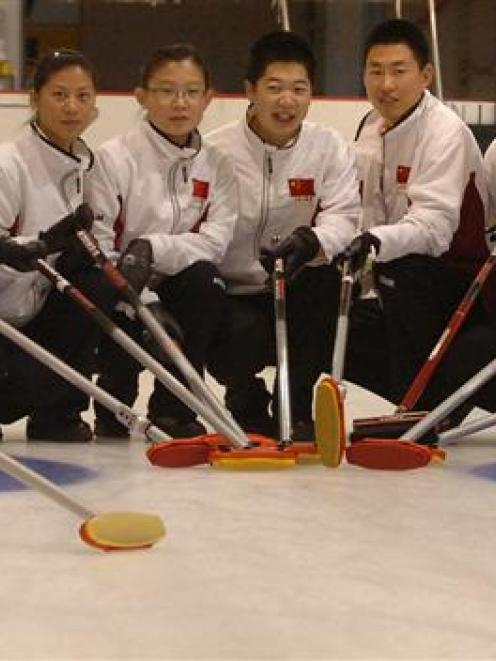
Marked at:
<point>118,112</point>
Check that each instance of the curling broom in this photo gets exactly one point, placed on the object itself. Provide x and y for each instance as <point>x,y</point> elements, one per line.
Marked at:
<point>245,449</point>
<point>404,417</point>
<point>176,453</point>
<point>111,531</point>
<point>330,392</point>
<point>405,453</point>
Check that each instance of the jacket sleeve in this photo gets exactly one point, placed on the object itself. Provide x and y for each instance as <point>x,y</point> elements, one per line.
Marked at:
<point>102,193</point>
<point>490,175</point>
<point>435,197</point>
<point>10,200</point>
<point>337,221</point>
<point>172,253</point>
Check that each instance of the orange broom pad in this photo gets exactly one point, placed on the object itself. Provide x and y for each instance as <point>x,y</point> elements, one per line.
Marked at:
<point>329,423</point>
<point>387,454</point>
<point>186,452</point>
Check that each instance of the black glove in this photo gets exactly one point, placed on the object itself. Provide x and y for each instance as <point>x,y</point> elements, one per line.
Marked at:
<point>21,256</point>
<point>61,235</point>
<point>296,250</point>
<point>135,263</point>
<point>171,327</point>
<point>358,251</point>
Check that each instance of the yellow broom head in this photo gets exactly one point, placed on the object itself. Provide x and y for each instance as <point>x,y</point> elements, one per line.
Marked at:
<point>329,423</point>
<point>257,458</point>
<point>122,531</point>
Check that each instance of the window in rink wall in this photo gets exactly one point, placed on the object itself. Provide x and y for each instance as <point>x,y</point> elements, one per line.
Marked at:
<point>119,34</point>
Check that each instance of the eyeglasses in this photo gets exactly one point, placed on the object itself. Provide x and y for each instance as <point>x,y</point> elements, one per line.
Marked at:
<point>166,93</point>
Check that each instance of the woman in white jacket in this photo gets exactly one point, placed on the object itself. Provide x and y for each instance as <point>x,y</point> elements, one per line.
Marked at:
<point>167,201</point>
<point>41,180</point>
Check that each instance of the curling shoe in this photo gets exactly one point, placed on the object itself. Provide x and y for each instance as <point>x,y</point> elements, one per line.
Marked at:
<point>106,428</point>
<point>69,430</point>
<point>179,428</point>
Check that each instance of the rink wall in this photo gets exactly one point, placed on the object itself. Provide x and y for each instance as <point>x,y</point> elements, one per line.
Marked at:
<point>117,112</point>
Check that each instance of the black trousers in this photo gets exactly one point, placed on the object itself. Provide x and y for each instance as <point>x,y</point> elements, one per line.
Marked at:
<point>63,328</point>
<point>419,294</point>
<point>194,298</point>
<point>246,341</point>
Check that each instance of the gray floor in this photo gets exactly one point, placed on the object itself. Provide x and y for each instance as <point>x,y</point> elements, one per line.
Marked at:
<point>311,563</point>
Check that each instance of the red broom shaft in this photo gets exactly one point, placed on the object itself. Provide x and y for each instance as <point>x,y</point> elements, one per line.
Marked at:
<point>423,377</point>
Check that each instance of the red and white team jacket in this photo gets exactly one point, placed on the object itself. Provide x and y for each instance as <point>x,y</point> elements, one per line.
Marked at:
<point>312,181</point>
<point>182,199</point>
<point>490,172</point>
<point>39,184</point>
<point>422,182</point>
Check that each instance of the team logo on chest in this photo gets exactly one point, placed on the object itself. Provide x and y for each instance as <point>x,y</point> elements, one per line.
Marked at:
<point>200,190</point>
<point>402,175</point>
<point>301,189</point>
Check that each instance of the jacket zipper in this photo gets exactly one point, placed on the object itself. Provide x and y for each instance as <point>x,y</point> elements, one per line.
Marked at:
<point>264,212</point>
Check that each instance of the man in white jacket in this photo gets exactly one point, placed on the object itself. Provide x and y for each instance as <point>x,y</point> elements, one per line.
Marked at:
<point>297,183</point>
<point>424,205</point>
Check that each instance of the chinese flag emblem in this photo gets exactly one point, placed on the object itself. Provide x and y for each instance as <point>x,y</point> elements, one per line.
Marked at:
<point>402,174</point>
<point>200,189</point>
<point>302,188</point>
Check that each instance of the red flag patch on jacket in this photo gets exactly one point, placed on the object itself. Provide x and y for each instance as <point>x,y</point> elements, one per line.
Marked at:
<point>302,188</point>
<point>402,174</point>
<point>200,189</point>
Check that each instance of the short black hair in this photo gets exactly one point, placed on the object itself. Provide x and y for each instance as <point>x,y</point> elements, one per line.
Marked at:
<point>173,53</point>
<point>400,31</point>
<point>279,46</point>
<point>59,59</point>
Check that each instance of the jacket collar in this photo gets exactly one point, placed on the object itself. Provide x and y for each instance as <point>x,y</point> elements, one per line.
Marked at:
<point>81,156</point>
<point>167,147</point>
<point>410,115</point>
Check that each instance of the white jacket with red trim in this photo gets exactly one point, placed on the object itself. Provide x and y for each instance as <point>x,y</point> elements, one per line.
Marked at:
<point>182,199</point>
<point>423,188</point>
<point>312,181</point>
<point>39,185</point>
<point>490,172</point>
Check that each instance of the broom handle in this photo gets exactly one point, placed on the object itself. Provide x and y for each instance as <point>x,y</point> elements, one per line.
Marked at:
<point>339,352</point>
<point>468,428</point>
<point>196,383</point>
<point>137,352</point>
<point>39,483</point>
<point>452,402</point>
<point>423,377</point>
<point>15,468</point>
<point>283,393</point>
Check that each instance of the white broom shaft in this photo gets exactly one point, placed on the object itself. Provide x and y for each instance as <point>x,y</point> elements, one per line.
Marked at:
<point>452,402</point>
<point>218,413</point>
<point>16,469</point>
<point>137,352</point>
<point>468,428</point>
<point>121,411</point>
<point>196,383</point>
<point>284,394</point>
<point>39,483</point>
<point>340,341</point>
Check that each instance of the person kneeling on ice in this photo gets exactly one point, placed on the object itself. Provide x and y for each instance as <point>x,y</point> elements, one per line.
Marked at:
<point>424,205</point>
<point>298,184</point>
<point>165,206</point>
<point>41,181</point>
